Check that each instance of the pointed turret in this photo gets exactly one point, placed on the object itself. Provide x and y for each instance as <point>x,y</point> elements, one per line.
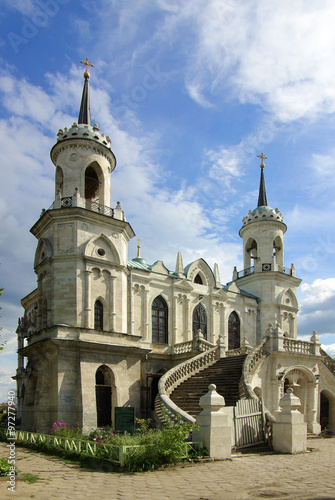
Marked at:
<point>179,270</point>
<point>217,275</point>
<point>85,112</point>
<point>262,200</point>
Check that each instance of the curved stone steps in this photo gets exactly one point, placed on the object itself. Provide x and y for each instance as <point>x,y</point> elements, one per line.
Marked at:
<point>224,373</point>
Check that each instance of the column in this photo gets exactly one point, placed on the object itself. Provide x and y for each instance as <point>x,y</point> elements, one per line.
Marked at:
<point>174,318</point>
<point>212,332</point>
<point>187,320</point>
<point>88,277</point>
<point>145,325</point>
<point>313,394</point>
<point>112,303</point>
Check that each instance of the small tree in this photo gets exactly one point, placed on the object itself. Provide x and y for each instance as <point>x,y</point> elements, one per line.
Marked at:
<point>2,344</point>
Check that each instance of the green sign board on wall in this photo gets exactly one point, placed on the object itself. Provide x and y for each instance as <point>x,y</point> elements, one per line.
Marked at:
<point>125,418</point>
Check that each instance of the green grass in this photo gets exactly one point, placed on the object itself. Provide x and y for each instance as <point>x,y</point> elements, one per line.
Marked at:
<point>30,478</point>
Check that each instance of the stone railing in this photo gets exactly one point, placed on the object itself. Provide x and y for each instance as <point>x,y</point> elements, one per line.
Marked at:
<point>298,346</point>
<point>199,344</point>
<point>328,361</point>
<point>258,352</point>
<point>170,380</point>
<point>252,361</point>
<point>244,349</point>
<point>278,342</point>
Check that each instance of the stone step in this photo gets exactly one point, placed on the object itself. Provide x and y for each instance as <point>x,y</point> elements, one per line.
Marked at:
<point>225,374</point>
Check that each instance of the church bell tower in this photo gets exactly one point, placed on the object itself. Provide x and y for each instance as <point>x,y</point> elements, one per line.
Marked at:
<point>264,273</point>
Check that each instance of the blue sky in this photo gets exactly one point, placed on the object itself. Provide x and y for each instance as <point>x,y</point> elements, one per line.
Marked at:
<point>190,92</point>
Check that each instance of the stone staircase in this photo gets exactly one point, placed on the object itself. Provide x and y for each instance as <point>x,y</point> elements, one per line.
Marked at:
<point>224,373</point>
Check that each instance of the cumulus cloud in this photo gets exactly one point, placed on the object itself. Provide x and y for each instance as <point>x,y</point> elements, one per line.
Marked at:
<point>317,308</point>
<point>273,54</point>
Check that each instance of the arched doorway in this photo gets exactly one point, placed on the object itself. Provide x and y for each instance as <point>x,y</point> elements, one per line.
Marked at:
<point>233,331</point>
<point>324,411</point>
<point>199,321</point>
<point>103,393</point>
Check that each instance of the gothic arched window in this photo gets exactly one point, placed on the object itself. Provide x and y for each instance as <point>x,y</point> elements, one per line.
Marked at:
<point>159,321</point>
<point>98,315</point>
<point>199,320</point>
<point>233,331</point>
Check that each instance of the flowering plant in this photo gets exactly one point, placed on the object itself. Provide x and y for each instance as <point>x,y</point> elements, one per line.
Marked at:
<point>61,428</point>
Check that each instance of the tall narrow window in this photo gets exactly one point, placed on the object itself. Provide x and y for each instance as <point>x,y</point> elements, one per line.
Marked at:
<point>233,331</point>
<point>159,321</point>
<point>98,315</point>
<point>199,321</point>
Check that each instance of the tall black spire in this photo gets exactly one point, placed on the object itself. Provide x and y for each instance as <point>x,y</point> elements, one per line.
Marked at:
<point>85,112</point>
<point>262,201</point>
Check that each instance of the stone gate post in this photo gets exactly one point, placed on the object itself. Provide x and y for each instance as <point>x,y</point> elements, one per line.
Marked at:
<point>215,428</point>
<point>289,430</point>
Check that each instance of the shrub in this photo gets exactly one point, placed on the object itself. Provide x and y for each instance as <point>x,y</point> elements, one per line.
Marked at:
<point>160,447</point>
<point>5,467</point>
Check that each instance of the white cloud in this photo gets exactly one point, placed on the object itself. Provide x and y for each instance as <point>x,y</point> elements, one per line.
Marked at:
<point>274,54</point>
<point>317,310</point>
<point>330,349</point>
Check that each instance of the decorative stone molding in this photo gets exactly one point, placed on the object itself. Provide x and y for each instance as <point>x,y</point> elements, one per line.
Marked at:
<point>262,213</point>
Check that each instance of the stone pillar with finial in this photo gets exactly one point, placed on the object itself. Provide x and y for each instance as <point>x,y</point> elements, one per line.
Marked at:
<point>215,427</point>
<point>289,432</point>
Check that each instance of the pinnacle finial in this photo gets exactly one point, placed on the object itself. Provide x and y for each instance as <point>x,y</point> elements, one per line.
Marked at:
<point>139,241</point>
<point>87,64</point>
<point>262,200</point>
<point>263,157</point>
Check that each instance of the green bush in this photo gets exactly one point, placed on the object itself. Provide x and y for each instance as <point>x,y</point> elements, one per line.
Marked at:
<point>5,467</point>
<point>167,446</point>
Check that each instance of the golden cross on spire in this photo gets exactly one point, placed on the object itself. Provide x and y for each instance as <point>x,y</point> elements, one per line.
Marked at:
<point>263,157</point>
<point>86,63</point>
<point>139,241</point>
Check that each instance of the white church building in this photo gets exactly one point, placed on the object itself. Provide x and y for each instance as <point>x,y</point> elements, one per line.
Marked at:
<point>101,331</point>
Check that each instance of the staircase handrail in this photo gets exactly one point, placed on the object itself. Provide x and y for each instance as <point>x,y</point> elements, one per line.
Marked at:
<point>259,352</point>
<point>178,374</point>
<point>328,361</point>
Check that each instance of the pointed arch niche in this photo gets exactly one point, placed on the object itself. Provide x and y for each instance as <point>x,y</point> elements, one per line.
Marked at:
<point>278,252</point>
<point>105,395</point>
<point>94,183</point>
<point>250,252</point>
<point>234,341</point>
<point>199,321</point>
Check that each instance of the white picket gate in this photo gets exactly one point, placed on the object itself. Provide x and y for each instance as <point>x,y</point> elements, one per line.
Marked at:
<point>249,422</point>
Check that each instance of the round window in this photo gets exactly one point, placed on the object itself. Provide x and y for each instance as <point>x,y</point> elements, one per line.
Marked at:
<point>101,252</point>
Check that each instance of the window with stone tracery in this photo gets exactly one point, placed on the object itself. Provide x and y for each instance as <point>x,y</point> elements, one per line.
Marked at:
<point>233,331</point>
<point>98,315</point>
<point>199,321</point>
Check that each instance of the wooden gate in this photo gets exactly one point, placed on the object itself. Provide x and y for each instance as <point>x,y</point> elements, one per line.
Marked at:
<point>249,423</point>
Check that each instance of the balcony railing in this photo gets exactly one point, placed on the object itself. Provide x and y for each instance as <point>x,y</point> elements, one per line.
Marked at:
<point>265,268</point>
<point>245,272</point>
<point>93,206</point>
